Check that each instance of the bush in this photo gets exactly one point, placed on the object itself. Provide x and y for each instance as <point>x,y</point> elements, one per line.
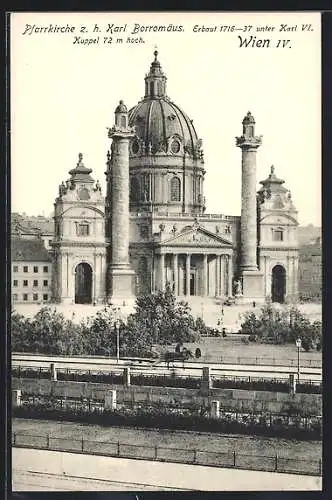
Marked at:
<point>158,415</point>
<point>274,325</point>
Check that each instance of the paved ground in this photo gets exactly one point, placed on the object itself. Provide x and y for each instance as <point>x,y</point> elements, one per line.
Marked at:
<point>209,309</point>
<point>39,470</point>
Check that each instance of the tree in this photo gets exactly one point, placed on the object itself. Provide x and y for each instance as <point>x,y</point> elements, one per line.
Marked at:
<point>20,326</point>
<point>283,325</point>
<point>160,319</point>
<point>99,333</point>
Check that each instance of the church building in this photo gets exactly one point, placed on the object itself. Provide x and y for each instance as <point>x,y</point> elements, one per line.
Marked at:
<point>151,228</point>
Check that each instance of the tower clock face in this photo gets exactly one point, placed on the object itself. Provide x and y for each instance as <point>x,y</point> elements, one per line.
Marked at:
<point>175,147</point>
<point>83,194</point>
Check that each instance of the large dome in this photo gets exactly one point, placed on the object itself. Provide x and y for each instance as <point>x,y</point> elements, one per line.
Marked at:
<point>158,119</point>
<point>160,124</point>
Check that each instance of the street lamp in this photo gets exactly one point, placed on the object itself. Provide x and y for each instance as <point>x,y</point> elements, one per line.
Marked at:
<point>117,328</point>
<point>298,345</point>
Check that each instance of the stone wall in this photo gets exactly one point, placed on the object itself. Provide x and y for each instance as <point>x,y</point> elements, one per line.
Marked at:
<point>229,398</point>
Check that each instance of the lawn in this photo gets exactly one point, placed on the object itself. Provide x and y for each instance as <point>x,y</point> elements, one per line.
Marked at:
<point>230,348</point>
<point>251,445</point>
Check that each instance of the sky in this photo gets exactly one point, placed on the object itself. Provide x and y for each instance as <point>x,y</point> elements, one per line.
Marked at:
<point>63,96</point>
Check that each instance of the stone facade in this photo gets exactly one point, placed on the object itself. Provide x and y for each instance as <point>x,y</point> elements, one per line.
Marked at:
<point>79,246</point>
<point>153,224</point>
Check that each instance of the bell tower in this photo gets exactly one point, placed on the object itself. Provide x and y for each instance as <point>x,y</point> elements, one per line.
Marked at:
<point>79,248</point>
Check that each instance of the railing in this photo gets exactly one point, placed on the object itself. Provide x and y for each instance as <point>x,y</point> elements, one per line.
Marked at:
<point>169,380</point>
<point>233,218</point>
<point>229,459</point>
<point>266,361</point>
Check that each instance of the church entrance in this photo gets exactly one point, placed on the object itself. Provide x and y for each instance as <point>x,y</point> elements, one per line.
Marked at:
<point>193,282</point>
<point>83,284</point>
<point>278,291</point>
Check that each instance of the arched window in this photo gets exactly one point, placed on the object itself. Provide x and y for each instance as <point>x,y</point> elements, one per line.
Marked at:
<point>123,122</point>
<point>175,189</point>
<point>151,89</point>
<point>134,189</point>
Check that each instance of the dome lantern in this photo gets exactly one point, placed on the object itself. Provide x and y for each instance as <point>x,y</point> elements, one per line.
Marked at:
<point>155,80</point>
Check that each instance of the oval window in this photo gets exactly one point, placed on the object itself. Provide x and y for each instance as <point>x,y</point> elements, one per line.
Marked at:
<point>175,147</point>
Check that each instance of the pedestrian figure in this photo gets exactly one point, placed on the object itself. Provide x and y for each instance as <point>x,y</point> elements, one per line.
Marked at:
<point>254,304</point>
<point>222,311</point>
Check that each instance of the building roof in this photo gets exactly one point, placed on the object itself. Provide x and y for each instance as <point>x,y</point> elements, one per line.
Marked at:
<point>21,224</point>
<point>29,250</point>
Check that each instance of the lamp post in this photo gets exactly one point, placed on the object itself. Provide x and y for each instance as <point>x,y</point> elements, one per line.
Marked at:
<point>117,328</point>
<point>298,345</point>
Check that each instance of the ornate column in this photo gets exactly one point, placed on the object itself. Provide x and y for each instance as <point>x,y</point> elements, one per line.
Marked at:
<point>188,273</point>
<point>121,273</point>
<point>205,276</point>
<point>176,274</point>
<point>289,277</point>
<point>221,276</point>
<point>217,285</point>
<point>94,276</point>
<point>230,275</point>
<point>252,278</point>
<point>162,271</point>
<point>296,278</point>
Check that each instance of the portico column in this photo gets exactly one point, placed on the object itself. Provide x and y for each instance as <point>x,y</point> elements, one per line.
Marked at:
<point>188,274</point>
<point>176,276</point>
<point>217,292</point>
<point>205,276</point>
<point>221,275</point>
<point>230,275</point>
<point>162,271</point>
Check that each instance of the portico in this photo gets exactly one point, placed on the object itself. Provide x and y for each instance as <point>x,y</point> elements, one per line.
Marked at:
<point>205,273</point>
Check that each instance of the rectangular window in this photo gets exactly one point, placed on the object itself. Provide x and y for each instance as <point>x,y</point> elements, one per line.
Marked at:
<point>278,235</point>
<point>82,229</point>
<point>35,269</point>
<point>15,269</point>
<point>45,269</point>
<point>25,269</point>
<point>35,282</point>
<point>25,296</point>
<point>25,282</point>
<point>45,282</point>
<point>14,296</point>
<point>35,296</point>
<point>15,283</point>
<point>45,296</point>
<point>50,242</point>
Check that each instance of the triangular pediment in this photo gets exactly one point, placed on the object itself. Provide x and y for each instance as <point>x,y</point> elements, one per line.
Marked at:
<point>196,237</point>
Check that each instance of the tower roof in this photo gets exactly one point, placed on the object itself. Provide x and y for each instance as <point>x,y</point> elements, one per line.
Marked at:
<point>272,183</point>
<point>155,68</point>
<point>248,119</point>
<point>81,173</point>
<point>121,108</point>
